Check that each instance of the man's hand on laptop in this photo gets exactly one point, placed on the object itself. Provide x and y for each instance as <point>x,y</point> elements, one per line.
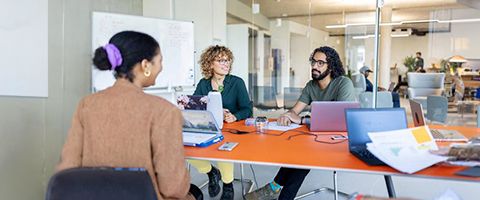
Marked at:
<point>287,118</point>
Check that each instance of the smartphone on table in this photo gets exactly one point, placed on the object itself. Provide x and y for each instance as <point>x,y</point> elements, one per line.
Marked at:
<point>228,146</point>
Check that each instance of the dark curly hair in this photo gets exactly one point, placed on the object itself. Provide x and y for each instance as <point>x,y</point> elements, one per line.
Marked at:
<point>333,60</point>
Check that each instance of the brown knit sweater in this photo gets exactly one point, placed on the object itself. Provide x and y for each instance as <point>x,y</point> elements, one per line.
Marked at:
<point>124,127</point>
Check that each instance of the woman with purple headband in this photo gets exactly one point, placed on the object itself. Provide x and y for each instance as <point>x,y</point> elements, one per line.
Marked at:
<point>122,126</point>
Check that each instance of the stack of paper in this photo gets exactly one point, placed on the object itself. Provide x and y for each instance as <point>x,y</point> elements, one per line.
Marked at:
<point>406,150</point>
<point>274,126</point>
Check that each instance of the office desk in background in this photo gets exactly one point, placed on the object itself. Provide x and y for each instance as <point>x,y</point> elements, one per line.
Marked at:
<point>304,152</point>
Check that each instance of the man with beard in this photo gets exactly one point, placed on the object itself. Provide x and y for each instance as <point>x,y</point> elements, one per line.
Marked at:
<point>328,84</point>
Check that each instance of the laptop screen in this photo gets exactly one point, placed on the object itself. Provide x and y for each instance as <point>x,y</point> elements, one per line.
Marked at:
<point>360,121</point>
<point>192,102</point>
<point>198,121</point>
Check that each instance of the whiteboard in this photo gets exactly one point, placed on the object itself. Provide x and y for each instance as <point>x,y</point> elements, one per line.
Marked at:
<point>24,48</point>
<point>175,39</point>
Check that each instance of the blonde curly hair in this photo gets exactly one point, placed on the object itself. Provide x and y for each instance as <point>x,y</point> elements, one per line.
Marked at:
<point>209,56</point>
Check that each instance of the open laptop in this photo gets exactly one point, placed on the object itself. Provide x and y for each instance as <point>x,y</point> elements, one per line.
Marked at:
<point>438,134</point>
<point>200,128</point>
<point>361,121</point>
<point>192,102</point>
<point>330,115</point>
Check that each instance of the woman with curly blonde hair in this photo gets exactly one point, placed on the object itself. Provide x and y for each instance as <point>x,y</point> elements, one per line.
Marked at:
<point>216,64</point>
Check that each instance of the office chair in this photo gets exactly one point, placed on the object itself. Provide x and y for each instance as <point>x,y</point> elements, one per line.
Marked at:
<point>100,184</point>
<point>359,84</point>
<point>421,85</point>
<point>478,116</point>
<point>384,99</point>
<point>437,108</point>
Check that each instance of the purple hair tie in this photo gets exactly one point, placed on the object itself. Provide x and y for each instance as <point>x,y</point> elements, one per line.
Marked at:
<point>114,56</point>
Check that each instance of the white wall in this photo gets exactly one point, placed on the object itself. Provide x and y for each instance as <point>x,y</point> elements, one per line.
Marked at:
<point>281,40</point>
<point>401,48</point>
<point>244,12</point>
<point>297,42</point>
<point>238,43</point>
<point>300,52</point>
<point>209,17</point>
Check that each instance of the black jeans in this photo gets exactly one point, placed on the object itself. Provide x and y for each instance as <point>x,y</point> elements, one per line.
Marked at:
<point>291,179</point>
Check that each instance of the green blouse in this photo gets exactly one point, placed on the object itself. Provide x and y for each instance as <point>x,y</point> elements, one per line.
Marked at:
<point>234,95</point>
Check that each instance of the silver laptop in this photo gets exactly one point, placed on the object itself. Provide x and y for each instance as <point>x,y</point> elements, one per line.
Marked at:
<point>200,128</point>
<point>330,115</point>
<point>438,134</point>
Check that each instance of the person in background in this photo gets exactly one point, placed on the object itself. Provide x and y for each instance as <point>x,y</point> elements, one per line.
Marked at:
<point>122,126</point>
<point>328,83</point>
<point>419,62</point>
<point>216,63</point>
<point>366,71</point>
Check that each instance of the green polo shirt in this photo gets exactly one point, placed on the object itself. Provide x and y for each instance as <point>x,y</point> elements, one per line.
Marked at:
<point>234,95</point>
<point>339,89</point>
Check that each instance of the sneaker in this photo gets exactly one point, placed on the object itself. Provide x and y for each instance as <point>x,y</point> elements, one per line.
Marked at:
<point>213,179</point>
<point>263,193</point>
<point>227,193</point>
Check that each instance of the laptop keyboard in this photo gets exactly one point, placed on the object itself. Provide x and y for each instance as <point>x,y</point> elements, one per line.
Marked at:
<point>366,154</point>
<point>196,138</point>
<point>436,134</point>
<point>367,157</point>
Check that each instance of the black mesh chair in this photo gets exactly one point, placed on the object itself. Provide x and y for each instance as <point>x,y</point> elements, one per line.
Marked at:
<point>100,184</point>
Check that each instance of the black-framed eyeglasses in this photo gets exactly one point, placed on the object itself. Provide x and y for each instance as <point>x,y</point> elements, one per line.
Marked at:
<point>320,63</point>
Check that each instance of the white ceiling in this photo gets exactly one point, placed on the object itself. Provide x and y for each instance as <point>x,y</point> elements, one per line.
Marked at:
<point>327,12</point>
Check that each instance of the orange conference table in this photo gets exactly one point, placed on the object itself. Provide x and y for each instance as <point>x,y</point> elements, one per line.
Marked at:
<point>304,152</point>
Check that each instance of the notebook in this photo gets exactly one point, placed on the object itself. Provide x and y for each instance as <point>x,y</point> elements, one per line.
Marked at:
<point>361,121</point>
<point>330,115</point>
<point>438,134</point>
<point>200,128</point>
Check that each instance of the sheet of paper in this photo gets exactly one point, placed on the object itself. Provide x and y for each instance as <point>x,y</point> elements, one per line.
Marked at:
<point>420,137</point>
<point>276,127</point>
<point>407,150</point>
<point>406,159</point>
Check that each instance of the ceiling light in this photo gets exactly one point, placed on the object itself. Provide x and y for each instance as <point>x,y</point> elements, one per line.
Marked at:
<point>460,20</point>
<point>279,22</point>
<point>336,26</point>
<point>419,21</point>
<point>405,22</point>
<point>400,35</point>
<point>357,37</point>
<point>284,15</point>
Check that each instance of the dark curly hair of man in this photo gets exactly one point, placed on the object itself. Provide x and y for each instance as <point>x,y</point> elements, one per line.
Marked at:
<point>333,60</point>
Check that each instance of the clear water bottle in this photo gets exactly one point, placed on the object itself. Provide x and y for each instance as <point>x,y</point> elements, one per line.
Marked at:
<point>261,124</point>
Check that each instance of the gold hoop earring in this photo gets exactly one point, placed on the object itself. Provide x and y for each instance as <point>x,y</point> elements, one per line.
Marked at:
<point>147,73</point>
